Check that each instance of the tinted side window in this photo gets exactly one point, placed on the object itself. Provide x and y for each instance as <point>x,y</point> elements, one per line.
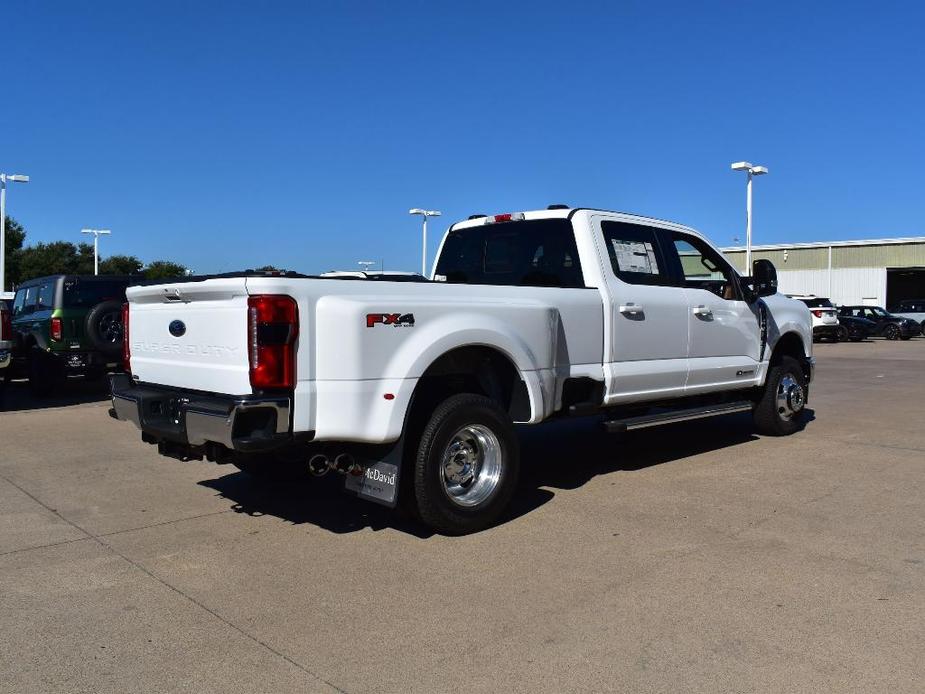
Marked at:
<point>24,301</point>
<point>635,255</point>
<point>45,298</point>
<point>91,292</point>
<point>530,253</point>
<point>704,268</point>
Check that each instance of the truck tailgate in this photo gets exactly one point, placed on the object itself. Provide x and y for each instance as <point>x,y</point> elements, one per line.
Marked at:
<point>191,335</point>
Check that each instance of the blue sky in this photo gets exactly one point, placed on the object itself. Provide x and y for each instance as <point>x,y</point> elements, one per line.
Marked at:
<point>229,135</point>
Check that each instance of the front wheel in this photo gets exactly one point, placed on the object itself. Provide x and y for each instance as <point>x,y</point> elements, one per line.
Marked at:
<point>780,409</point>
<point>843,334</point>
<point>466,466</point>
<point>891,332</point>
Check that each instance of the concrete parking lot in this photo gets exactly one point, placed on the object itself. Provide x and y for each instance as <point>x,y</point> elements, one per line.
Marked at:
<point>694,558</point>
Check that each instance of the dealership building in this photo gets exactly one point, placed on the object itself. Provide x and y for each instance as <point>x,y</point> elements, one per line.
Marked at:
<point>879,272</point>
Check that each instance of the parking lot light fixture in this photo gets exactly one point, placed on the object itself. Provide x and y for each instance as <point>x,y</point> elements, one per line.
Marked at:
<point>751,170</point>
<point>425,214</point>
<point>12,178</point>
<point>96,246</point>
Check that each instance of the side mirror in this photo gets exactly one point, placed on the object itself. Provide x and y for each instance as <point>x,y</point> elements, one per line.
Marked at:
<point>764,277</point>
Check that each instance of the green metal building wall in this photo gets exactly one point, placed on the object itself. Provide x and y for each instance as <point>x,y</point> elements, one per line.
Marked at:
<point>817,258</point>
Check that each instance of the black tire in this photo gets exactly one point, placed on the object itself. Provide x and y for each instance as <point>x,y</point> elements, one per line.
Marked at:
<point>771,417</point>
<point>103,327</point>
<point>891,332</point>
<point>46,374</point>
<point>843,335</point>
<point>272,467</point>
<point>477,428</point>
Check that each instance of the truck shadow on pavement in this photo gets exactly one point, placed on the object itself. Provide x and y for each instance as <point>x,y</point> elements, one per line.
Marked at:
<point>16,396</point>
<point>558,455</point>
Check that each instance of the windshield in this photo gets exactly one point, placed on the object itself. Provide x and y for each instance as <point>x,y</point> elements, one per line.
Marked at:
<point>91,292</point>
<point>879,312</point>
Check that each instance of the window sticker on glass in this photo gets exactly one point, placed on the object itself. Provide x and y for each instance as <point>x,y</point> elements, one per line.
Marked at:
<point>635,256</point>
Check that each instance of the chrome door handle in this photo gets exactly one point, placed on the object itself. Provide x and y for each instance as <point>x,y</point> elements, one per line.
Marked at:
<point>630,308</point>
<point>703,311</point>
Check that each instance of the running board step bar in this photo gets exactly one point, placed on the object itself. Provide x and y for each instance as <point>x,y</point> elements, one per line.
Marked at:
<point>616,426</point>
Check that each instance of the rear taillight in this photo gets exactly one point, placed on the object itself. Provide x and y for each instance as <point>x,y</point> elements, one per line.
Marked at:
<point>6,326</point>
<point>817,314</point>
<point>126,350</point>
<point>56,329</point>
<point>272,329</point>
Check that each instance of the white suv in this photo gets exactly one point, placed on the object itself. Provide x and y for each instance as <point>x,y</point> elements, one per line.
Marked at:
<point>825,316</point>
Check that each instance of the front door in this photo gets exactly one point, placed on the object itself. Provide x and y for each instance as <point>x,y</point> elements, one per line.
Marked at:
<point>648,314</point>
<point>725,340</point>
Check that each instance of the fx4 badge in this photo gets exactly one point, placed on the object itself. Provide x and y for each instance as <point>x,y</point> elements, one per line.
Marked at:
<point>399,320</point>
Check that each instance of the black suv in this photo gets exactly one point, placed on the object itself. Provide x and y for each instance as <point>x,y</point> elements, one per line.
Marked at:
<point>886,324</point>
<point>67,325</point>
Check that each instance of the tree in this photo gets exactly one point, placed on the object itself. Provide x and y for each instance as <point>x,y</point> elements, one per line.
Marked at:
<point>121,265</point>
<point>15,237</point>
<point>57,257</point>
<point>163,269</point>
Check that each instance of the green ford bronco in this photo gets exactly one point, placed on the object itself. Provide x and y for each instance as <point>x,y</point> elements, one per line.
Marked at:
<point>67,325</point>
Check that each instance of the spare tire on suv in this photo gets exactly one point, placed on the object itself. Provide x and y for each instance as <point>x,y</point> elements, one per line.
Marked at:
<point>103,327</point>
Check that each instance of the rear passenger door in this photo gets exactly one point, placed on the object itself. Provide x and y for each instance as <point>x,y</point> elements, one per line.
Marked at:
<point>648,314</point>
<point>724,330</point>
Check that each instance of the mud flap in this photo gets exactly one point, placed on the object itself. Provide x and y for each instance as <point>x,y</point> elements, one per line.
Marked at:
<point>380,480</point>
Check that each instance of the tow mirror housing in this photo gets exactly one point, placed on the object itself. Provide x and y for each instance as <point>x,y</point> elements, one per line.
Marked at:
<point>764,277</point>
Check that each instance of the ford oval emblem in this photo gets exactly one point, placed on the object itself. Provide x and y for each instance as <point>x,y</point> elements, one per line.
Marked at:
<point>177,328</point>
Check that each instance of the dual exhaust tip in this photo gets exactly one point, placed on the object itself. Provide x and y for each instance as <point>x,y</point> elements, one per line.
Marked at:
<point>344,463</point>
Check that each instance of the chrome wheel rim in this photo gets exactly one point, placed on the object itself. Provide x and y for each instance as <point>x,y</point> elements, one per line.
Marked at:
<point>470,469</point>
<point>790,397</point>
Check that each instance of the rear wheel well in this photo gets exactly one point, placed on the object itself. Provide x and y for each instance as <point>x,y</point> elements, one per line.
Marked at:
<point>476,369</point>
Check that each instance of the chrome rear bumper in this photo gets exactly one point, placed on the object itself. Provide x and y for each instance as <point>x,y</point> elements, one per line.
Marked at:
<point>242,423</point>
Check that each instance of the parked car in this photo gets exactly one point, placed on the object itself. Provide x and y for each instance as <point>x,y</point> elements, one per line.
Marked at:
<point>855,329</point>
<point>825,316</point>
<point>412,389</point>
<point>914,309</point>
<point>66,325</point>
<point>885,324</point>
<point>6,340</point>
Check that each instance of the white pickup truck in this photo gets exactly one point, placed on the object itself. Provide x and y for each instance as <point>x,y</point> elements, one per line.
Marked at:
<point>412,389</point>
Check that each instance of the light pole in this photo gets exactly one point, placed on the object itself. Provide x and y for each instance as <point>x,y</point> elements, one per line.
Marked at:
<point>751,170</point>
<point>425,214</point>
<point>15,178</point>
<point>96,246</point>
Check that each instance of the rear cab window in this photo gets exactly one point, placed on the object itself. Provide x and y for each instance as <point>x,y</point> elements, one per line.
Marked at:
<point>523,253</point>
<point>818,303</point>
